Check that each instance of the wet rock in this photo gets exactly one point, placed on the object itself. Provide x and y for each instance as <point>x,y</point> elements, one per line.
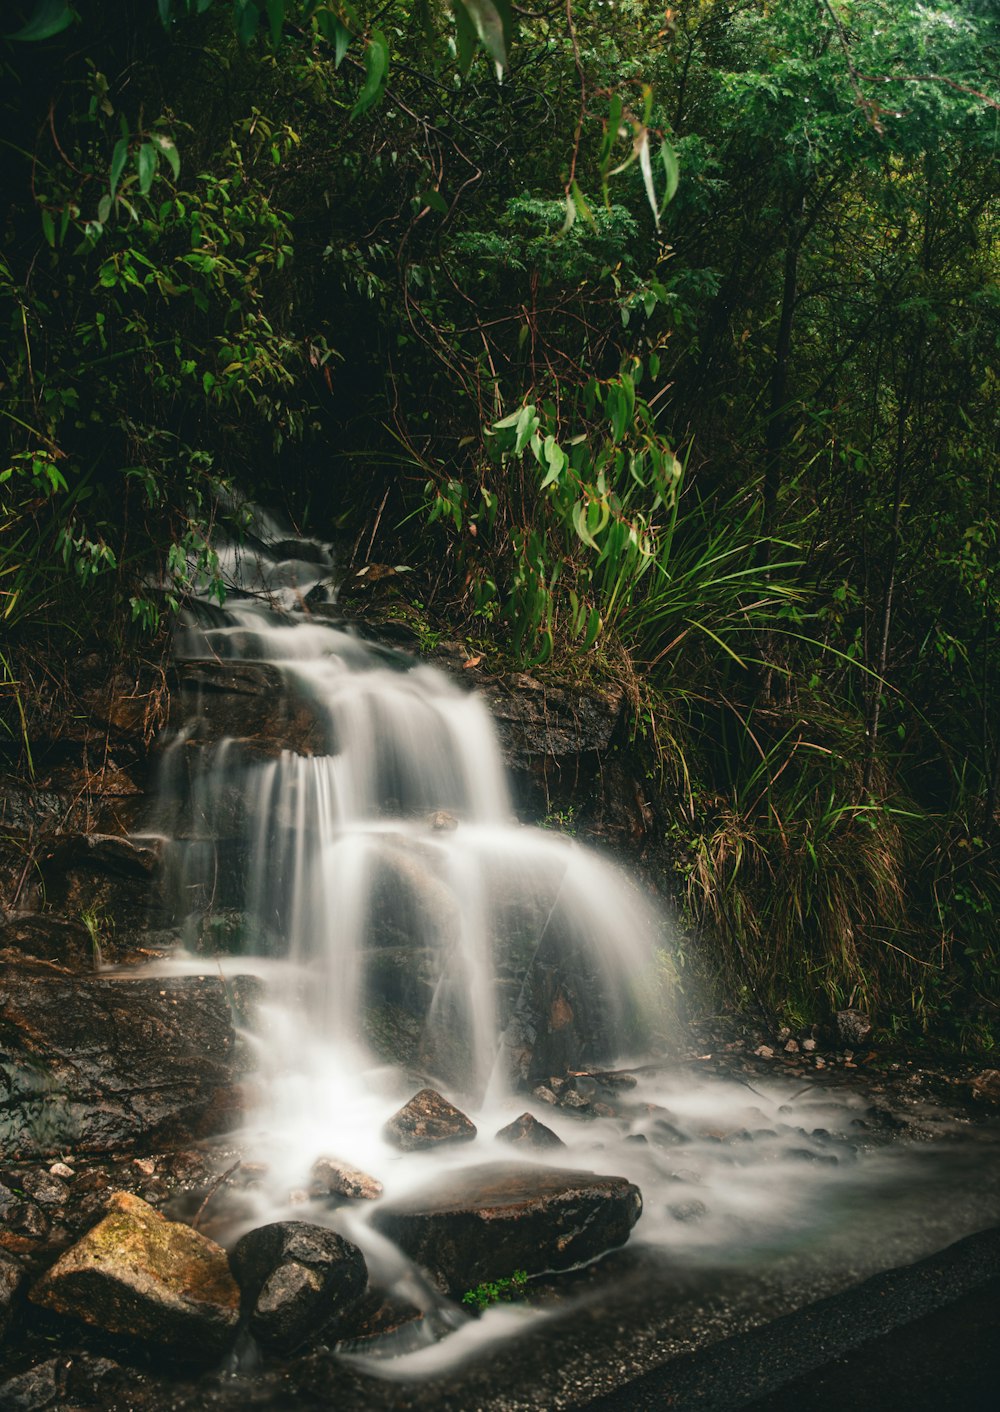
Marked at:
<point>23,1225</point>
<point>485,1222</point>
<point>764,1051</point>
<point>442,822</point>
<point>247,702</point>
<point>986,1086</point>
<point>44,1188</point>
<point>43,937</point>
<point>60,1385</point>
<point>60,1169</point>
<point>116,854</point>
<point>137,1273</point>
<point>331,1177</point>
<point>428,1119</point>
<point>11,1279</point>
<point>295,1278</point>
<point>853,1026</point>
<point>377,1317</point>
<point>99,1065</point>
<point>527,1131</point>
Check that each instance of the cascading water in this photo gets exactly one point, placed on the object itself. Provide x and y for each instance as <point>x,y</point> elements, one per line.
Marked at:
<point>348,836</point>
<point>388,870</point>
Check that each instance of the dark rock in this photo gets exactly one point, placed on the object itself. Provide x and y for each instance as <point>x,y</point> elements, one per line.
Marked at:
<point>24,1224</point>
<point>11,1279</point>
<point>331,1177</point>
<point>44,1188</point>
<point>248,702</point>
<point>485,1222</point>
<point>853,1026</point>
<point>96,1064</point>
<point>64,1385</point>
<point>295,1278</point>
<point>378,1316</point>
<point>112,853</point>
<point>527,1131</point>
<point>137,1273</point>
<point>36,1390</point>
<point>44,937</point>
<point>427,1120</point>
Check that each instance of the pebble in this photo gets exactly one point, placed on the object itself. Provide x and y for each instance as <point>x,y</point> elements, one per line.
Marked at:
<point>60,1169</point>
<point>792,1047</point>
<point>145,1165</point>
<point>808,1046</point>
<point>764,1051</point>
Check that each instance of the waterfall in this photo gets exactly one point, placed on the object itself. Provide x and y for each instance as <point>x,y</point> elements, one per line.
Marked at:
<point>381,860</point>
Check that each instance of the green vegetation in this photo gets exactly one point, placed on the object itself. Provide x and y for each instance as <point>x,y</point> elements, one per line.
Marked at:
<point>503,1291</point>
<point>672,356</point>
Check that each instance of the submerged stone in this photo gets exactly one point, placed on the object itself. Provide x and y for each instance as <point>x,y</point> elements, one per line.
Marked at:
<point>296,1278</point>
<point>137,1273</point>
<point>428,1119</point>
<point>527,1131</point>
<point>485,1222</point>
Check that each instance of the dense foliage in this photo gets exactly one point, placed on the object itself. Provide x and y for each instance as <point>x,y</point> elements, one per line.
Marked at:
<point>675,354</point>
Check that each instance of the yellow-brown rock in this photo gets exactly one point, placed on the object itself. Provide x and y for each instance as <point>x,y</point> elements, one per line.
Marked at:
<point>137,1273</point>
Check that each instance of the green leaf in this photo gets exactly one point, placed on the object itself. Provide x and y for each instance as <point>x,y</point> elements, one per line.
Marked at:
<point>341,41</point>
<point>104,208</point>
<point>50,17</point>
<point>434,200</point>
<point>527,425</point>
<point>118,159</point>
<point>146,166</point>
<point>672,170</point>
<point>48,227</point>
<point>169,150</point>
<point>376,66</point>
<point>580,525</point>
<point>246,17</point>
<point>276,19</point>
<point>646,167</point>
<point>465,39</point>
<point>491,22</point>
<point>593,628</point>
<point>163,8</point>
<point>582,204</point>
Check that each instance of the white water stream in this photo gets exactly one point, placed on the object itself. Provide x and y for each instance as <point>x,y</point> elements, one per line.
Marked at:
<point>384,892</point>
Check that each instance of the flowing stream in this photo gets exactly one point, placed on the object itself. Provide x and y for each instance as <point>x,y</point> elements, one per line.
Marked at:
<point>407,929</point>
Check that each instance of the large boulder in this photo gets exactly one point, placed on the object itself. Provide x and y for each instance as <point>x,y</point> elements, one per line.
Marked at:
<point>427,1120</point>
<point>296,1278</point>
<point>485,1222</point>
<point>97,1064</point>
<point>137,1273</point>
